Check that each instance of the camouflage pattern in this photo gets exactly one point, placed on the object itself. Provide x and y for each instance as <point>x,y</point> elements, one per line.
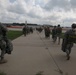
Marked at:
<point>9,47</point>
<point>59,33</point>
<point>2,47</point>
<point>3,31</point>
<point>47,31</point>
<point>54,34</point>
<point>68,39</point>
<point>24,30</point>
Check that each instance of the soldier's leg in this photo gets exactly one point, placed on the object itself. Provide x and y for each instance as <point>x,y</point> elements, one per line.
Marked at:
<point>2,54</point>
<point>58,39</point>
<point>68,51</point>
<point>3,46</point>
<point>70,47</point>
<point>55,38</point>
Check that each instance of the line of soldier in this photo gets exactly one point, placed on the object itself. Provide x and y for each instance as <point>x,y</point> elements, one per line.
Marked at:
<point>26,30</point>
<point>39,29</point>
<point>68,38</point>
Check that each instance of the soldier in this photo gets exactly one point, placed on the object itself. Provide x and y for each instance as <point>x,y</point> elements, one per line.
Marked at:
<point>24,30</point>
<point>54,34</point>
<point>31,29</point>
<point>59,32</point>
<point>47,32</point>
<point>68,40</point>
<point>3,41</point>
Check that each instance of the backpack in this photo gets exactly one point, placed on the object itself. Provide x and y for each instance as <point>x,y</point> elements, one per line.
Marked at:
<point>9,47</point>
<point>59,30</point>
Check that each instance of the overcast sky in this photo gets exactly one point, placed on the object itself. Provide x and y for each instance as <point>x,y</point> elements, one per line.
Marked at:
<point>38,11</point>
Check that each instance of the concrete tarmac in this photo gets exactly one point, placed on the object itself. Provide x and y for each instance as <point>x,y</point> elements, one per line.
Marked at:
<point>35,54</point>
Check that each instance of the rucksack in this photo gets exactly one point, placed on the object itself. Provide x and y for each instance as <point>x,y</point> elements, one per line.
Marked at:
<point>9,47</point>
<point>59,30</point>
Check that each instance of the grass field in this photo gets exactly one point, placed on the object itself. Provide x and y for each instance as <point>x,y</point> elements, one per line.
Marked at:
<point>13,34</point>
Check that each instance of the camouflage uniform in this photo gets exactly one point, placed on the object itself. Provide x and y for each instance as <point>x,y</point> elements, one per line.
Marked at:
<point>68,40</point>
<point>24,30</point>
<point>3,40</point>
<point>47,32</point>
<point>59,32</point>
<point>54,34</point>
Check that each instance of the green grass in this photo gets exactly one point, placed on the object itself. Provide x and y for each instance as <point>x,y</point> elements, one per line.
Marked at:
<point>2,73</point>
<point>13,34</point>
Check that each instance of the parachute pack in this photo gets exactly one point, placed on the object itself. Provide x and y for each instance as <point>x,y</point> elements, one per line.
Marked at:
<point>9,47</point>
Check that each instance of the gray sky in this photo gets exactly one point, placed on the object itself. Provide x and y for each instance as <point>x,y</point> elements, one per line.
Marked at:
<point>38,11</point>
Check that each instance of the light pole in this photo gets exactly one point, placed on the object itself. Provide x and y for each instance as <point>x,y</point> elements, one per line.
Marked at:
<point>25,23</point>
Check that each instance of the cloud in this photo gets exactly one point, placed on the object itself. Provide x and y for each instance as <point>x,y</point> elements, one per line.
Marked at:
<point>18,7</point>
<point>64,4</point>
<point>12,1</point>
<point>38,11</point>
<point>73,4</point>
